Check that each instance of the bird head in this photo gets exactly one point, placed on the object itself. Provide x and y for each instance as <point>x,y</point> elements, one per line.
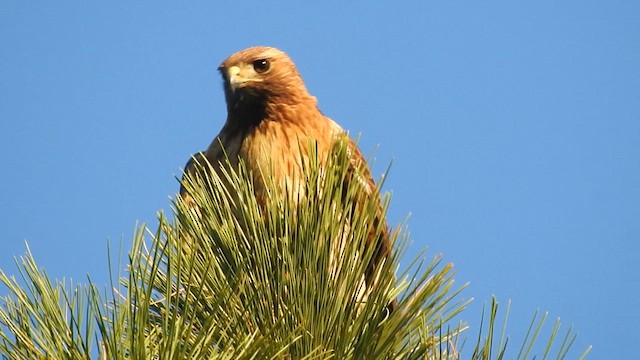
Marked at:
<point>259,75</point>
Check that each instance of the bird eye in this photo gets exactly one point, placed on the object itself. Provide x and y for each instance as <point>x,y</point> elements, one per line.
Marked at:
<point>261,66</point>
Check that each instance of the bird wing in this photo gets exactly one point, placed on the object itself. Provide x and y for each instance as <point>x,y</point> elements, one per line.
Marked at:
<point>190,169</point>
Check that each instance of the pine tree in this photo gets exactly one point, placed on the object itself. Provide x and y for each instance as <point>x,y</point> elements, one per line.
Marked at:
<point>237,280</point>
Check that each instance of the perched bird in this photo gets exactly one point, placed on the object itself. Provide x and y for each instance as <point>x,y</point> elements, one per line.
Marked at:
<point>270,117</point>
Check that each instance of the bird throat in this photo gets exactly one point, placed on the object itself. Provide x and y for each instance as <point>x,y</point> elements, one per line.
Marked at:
<point>245,110</point>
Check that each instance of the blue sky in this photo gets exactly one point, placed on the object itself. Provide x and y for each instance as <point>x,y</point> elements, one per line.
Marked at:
<point>514,131</point>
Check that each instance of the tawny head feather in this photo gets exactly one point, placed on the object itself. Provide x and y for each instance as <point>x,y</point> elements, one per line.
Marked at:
<point>261,74</point>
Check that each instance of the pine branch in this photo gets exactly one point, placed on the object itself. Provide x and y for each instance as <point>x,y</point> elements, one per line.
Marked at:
<point>233,278</point>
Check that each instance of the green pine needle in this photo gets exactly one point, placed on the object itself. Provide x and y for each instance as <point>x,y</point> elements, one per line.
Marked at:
<point>236,278</point>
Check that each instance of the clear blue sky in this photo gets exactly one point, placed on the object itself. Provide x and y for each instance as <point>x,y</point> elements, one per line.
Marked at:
<point>514,131</point>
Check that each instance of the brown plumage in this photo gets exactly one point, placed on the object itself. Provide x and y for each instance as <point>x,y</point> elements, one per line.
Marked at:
<point>271,118</point>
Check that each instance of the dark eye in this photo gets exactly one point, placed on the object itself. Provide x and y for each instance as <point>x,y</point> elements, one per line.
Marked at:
<point>261,66</point>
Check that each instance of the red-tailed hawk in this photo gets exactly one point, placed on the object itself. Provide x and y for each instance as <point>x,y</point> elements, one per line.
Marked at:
<point>271,116</point>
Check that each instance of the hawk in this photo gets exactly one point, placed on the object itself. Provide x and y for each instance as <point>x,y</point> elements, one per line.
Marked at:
<point>270,115</point>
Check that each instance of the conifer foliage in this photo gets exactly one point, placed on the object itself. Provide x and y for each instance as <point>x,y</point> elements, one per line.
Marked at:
<point>233,279</point>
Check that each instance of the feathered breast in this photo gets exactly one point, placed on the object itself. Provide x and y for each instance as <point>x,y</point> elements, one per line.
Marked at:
<point>279,147</point>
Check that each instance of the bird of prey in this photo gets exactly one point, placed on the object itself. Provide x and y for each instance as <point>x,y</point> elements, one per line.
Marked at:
<point>270,117</point>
